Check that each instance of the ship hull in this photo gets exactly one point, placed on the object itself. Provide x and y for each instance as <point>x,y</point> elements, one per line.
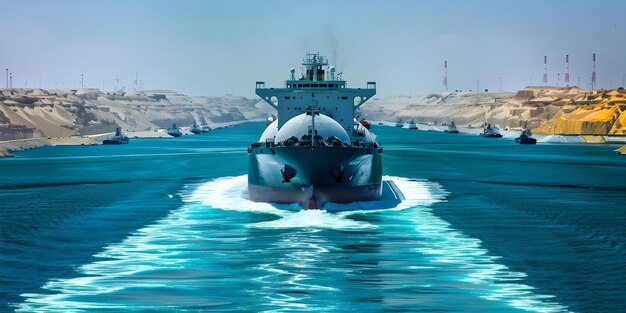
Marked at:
<point>313,176</point>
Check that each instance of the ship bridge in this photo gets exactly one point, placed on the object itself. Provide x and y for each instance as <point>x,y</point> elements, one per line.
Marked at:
<point>319,87</point>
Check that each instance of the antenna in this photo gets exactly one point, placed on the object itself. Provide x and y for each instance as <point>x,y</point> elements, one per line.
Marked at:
<point>593,74</point>
<point>81,81</point>
<point>7,77</point>
<point>545,70</point>
<point>567,70</point>
<point>445,76</point>
<point>10,80</point>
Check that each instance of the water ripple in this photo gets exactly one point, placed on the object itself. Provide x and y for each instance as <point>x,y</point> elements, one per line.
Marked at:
<point>363,256</point>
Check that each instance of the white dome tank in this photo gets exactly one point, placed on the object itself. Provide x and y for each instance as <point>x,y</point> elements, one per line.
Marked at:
<point>298,126</point>
<point>362,133</point>
<point>270,131</point>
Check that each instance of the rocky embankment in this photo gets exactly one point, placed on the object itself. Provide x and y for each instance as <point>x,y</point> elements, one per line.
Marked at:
<point>34,113</point>
<point>548,110</point>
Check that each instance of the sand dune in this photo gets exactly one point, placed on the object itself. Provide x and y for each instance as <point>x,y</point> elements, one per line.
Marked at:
<point>548,110</point>
<point>31,113</point>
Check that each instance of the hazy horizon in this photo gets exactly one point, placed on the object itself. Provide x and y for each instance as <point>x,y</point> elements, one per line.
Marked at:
<point>216,48</point>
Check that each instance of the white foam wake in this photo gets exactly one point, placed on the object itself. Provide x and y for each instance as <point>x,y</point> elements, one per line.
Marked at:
<point>163,247</point>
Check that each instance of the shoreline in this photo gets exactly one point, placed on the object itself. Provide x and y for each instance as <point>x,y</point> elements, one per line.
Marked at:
<point>7,147</point>
<point>511,134</point>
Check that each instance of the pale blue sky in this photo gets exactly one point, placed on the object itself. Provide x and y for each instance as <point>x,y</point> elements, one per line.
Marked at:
<point>220,47</point>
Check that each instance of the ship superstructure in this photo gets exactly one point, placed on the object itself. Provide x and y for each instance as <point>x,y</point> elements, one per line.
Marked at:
<point>315,151</point>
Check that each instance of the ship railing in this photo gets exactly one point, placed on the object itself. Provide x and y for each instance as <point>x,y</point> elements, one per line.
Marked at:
<point>269,143</point>
<point>359,144</point>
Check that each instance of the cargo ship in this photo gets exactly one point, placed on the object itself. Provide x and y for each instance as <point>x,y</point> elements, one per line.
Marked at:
<point>315,151</point>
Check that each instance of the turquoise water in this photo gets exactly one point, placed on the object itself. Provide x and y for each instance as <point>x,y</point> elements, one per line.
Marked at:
<point>163,225</point>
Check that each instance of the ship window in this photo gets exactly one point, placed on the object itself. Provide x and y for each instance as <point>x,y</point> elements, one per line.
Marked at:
<point>287,98</point>
<point>299,85</point>
<point>307,85</point>
<point>314,85</point>
<point>336,108</point>
<point>344,98</point>
<point>287,108</point>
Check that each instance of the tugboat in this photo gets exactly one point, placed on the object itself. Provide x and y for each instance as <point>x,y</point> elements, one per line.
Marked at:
<point>452,128</point>
<point>412,124</point>
<point>525,137</point>
<point>399,123</point>
<point>196,129</point>
<point>174,131</point>
<point>315,152</point>
<point>205,128</point>
<point>491,131</point>
<point>117,139</point>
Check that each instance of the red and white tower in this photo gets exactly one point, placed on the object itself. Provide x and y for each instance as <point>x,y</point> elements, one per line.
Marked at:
<point>567,70</point>
<point>545,70</point>
<point>593,73</point>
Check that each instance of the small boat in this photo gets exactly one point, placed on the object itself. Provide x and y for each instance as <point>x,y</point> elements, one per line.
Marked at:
<point>452,128</point>
<point>526,137</point>
<point>174,131</point>
<point>205,128</point>
<point>412,124</point>
<point>399,123</point>
<point>196,129</point>
<point>117,139</point>
<point>491,131</point>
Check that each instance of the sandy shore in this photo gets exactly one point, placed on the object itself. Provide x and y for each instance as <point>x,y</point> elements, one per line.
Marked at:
<point>9,146</point>
<point>511,134</point>
<point>6,147</point>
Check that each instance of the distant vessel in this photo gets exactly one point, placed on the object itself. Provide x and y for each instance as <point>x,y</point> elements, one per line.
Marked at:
<point>491,131</point>
<point>196,129</point>
<point>412,124</point>
<point>526,137</point>
<point>452,128</point>
<point>174,131</point>
<point>117,139</point>
<point>205,128</point>
<point>399,123</point>
<point>315,151</point>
